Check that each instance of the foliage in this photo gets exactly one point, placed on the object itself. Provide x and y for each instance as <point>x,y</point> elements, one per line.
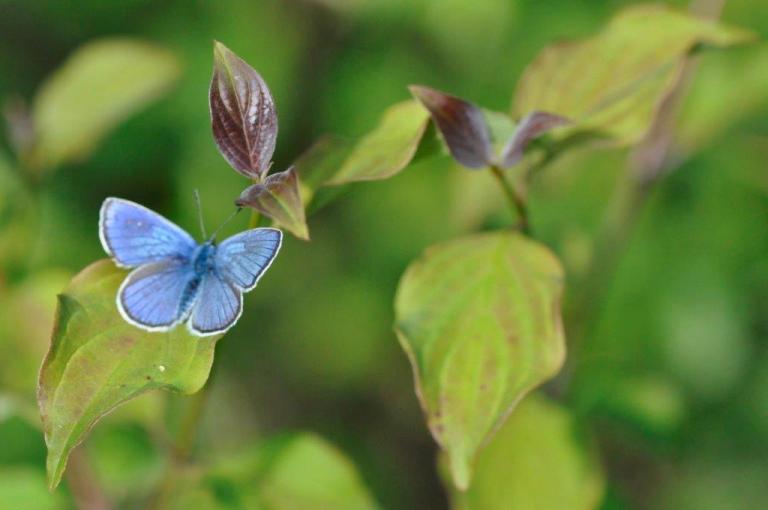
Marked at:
<point>544,435</point>
<point>646,257</point>
<point>97,361</point>
<point>479,318</point>
<point>121,75</point>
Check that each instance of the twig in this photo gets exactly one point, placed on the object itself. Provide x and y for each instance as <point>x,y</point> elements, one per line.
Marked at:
<point>83,484</point>
<point>516,201</point>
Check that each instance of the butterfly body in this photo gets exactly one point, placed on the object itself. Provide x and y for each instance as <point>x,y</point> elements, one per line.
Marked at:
<point>175,279</point>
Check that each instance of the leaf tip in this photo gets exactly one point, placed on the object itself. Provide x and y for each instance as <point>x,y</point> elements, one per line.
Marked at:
<point>461,123</point>
<point>461,471</point>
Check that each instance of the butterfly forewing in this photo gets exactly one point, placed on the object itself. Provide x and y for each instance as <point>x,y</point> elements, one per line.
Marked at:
<point>133,235</point>
<point>159,295</point>
<point>243,258</point>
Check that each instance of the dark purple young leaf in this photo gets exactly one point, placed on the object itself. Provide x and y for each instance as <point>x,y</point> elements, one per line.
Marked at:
<point>279,198</point>
<point>461,123</point>
<point>532,125</point>
<point>243,115</point>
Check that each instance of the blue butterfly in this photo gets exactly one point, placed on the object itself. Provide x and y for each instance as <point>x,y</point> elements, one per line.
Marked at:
<point>175,279</point>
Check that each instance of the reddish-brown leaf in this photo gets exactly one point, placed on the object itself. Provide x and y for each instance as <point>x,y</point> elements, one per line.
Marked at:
<point>243,115</point>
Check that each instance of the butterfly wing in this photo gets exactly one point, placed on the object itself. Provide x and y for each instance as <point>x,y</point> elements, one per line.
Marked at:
<point>239,262</point>
<point>218,306</point>
<point>159,295</point>
<point>133,235</point>
<point>244,257</point>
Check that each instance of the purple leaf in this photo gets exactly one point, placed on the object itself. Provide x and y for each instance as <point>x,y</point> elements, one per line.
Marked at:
<point>461,123</point>
<point>532,125</point>
<point>278,197</point>
<point>243,115</point>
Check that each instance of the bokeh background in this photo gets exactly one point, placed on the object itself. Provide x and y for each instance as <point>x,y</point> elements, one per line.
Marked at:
<point>674,382</point>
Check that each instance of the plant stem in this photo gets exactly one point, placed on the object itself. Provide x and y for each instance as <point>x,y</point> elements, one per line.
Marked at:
<point>516,201</point>
<point>255,219</point>
<point>180,452</point>
<point>83,484</point>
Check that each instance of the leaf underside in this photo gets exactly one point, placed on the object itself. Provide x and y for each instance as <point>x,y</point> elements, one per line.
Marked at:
<point>279,198</point>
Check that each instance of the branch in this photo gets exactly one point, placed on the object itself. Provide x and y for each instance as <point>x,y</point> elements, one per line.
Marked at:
<point>516,201</point>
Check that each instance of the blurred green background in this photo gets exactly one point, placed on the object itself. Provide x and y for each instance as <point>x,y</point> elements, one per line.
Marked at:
<point>674,381</point>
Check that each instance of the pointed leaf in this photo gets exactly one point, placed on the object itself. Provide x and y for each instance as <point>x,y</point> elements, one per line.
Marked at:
<point>461,123</point>
<point>387,149</point>
<point>98,361</point>
<point>278,197</point>
<point>243,115</point>
<point>99,85</point>
<point>479,318</point>
<point>538,459</point>
<point>318,164</point>
<point>533,125</point>
<point>611,84</point>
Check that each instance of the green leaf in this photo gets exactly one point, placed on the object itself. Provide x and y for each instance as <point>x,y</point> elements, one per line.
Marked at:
<point>318,164</point>
<point>278,197</point>
<point>537,460</point>
<point>25,488</point>
<point>98,86</point>
<point>26,320</point>
<point>479,318</point>
<point>611,84</point>
<point>311,474</point>
<point>18,219</point>
<point>287,472</point>
<point>98,361</point>
<point>387,149</point>
<point>716,101</point>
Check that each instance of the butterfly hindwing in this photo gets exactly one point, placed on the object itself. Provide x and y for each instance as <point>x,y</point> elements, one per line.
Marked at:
<point>244,257</point>
<point>134,235</point>
<point>218,306</point>
<point>159,295</point>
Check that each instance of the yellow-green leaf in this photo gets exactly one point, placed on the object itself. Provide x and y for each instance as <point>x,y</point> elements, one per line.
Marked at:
<point>539,460</point>
<point>24,487</point>
<point>99,85</point>
<point>98,361</point>
<point>611,84</point>
<point>479,318</point>
<point>291,471</point>
<point>311,474</point>
<point>26,320</point>
<point>387,149</point>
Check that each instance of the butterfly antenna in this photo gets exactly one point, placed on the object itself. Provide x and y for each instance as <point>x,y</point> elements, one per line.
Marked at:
<point>200,213</point>
<point>213,236</point>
